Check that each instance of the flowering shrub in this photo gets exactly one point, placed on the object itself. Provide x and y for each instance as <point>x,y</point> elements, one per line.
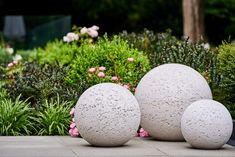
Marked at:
<point>108,61</point>
<point>143,133</point>
<point>164,48</point>
<point>73,131</point>
<point>64,51</point>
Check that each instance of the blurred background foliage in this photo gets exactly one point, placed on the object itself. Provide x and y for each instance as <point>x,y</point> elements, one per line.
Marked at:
<point>132,15</point>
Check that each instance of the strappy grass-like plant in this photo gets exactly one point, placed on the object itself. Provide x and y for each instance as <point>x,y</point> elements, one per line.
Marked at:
<point>53,118</point>
<point>16,117</point>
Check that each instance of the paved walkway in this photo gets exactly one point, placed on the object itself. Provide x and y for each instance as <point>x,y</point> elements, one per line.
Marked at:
<point>65,146</point>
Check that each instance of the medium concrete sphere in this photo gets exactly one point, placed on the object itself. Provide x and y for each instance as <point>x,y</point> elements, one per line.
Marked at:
<point>107,114</point>
<point>163,95</point>
<point>206,124</point>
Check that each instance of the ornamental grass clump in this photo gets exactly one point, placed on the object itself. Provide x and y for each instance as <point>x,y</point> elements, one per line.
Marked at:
<point>16,118</point>
<point>52,118</point>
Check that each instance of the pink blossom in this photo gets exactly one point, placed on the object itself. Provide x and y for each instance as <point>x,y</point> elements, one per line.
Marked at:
<point>133,89</point>
<point>70,37</point>
<point>114,78</point>
<point>135,134</point>
<point>143,133</point>
<point>102,68</point>
<point>10,64</point>
<point>72,125</point>
<point>92,70</point>
<point>93,33</point>
<point>126,86</point>
<point>101,74</point>
<point>94,27</point>
<point>130,59</point>
<point>73,132</point>
<point>73,120</point>
<point>15,62</point>
<point>70,132</point>
<point>83,30</point>
<point>72,111</point>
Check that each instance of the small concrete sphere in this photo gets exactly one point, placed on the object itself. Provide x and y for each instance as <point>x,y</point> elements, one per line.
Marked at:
<point>206,124</point>
<point>163,95</point>
<point>107,114</point>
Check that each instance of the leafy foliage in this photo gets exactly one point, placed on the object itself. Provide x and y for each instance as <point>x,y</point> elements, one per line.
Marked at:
<point>226,59</point>
<point>113,55</point>
<point>5,57</point>
<point>41,82</point>
<point>15,117</point>
<point>57,52</point>
<point>164,48</point>
<point>53,118</point>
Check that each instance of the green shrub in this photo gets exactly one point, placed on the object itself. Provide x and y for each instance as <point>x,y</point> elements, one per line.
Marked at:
<point>27,54</point>
<point>226,59</point>
<point>57,51</point>
<point>231,108</point>
<point>52,118</point>
<point>164,48</point>
<point>111,54</point>
<point>41,82</point>
<point>15,117</point>
<point>5,57</point>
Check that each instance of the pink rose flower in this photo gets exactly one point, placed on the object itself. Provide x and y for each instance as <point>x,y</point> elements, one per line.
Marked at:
<point>72,125</point>
<point>75,132</point>
<point>72,111</point>
<point>10,64</point>
<point>133,89</point>
<point>15,62</point>
<point>101,74</point>
<point>94,27</point>
<point>92,70</point>
<point>143,133</point>
<point>102,68</point>
<point>126,86</point>
<point>114,78</point>
<point>130,59</point>
<point>93,33</point>
<point>83,30</point>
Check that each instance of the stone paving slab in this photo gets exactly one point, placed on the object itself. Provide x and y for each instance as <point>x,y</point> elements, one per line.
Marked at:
<point>65,146</point>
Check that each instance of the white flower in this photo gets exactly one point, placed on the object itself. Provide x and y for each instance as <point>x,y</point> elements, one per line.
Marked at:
<point>93,33</point>
<point>66,39</point>
<point>94,27</point>
<point>206,46</point>
<point>70,37</point>
<point>17,57</point>
<point>10,50</point>
<point>83,30</point>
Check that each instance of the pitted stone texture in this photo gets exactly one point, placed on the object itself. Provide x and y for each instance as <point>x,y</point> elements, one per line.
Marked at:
<point>163,95</point>
<point>107,114</point>
<point>206,124</point>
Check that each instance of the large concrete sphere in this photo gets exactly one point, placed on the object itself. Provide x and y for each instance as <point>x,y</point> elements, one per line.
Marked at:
<point>206,124</point>
<point>107,114</point>
<point>163,95</point>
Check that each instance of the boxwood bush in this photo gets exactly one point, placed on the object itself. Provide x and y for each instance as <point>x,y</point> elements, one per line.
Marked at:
<point>117,57</point>
<point>226,60</point>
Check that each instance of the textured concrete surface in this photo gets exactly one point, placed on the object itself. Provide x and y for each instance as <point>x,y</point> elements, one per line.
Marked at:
<point>65,146</point>
<point>107,114</point>
<point>206,124</point>
<point>163,95</point>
